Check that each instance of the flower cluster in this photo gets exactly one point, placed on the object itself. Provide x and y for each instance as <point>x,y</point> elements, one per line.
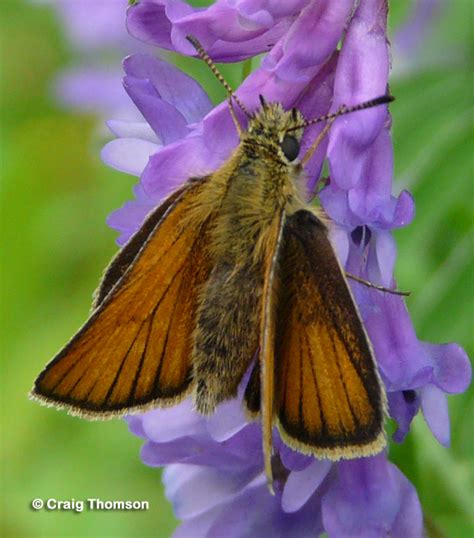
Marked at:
<point>319,55</point>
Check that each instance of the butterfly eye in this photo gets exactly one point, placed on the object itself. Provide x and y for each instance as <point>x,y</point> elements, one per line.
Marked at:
<point>290,147</point>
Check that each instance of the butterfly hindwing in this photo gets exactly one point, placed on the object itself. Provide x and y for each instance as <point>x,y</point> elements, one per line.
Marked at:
<point>329,400</point>
<point>134,351</point>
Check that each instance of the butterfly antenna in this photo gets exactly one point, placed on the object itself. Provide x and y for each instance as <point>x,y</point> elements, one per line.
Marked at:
<point>205,57</point>
<point>330,118</point>
<point>382,100</point>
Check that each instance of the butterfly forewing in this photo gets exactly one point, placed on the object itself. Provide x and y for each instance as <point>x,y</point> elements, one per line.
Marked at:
<point>136,347</point>
<point>329,399</point>
<point>126,255</point>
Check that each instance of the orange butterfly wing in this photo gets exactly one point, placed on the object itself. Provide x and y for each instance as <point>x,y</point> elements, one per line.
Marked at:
<point>329,400</point>
<point>134,351</point>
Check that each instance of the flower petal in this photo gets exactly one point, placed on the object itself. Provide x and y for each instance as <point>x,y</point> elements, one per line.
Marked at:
<point>292,460</point>
<point>148,22</point>
<point>327,21</point>
<point>194,450</point>
<point>370,499</point>
<point>361,74</point>
<point>404,210</point>
<point>128,155</point>
<point>268,520</point>
<point>171,85</point>
<point>132,129</point>
<point>452,368</point>
<point>382,258</point>
<point>228,420</point>
<point>402,359</point>
<point>369,198</point>
<point>185,484</point>
<point>167,122</point>
<point>128,218</point>
<point>168,424</point>
<point>175,164</point>
<point>225,33</point>
<point>300,485</point>
<point>435,410</point>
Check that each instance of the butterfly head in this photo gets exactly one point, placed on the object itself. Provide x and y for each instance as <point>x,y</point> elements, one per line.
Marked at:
<point>274,128</point>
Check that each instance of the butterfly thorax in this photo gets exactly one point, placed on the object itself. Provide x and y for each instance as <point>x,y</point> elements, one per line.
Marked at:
<point>261,183</point>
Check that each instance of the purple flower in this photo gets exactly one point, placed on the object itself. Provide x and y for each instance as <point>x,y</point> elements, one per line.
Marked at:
<point>172,104</point>
<point>415,373</point>
<point>371,498</point>
<point>214,478</point>
<point>214,466</point>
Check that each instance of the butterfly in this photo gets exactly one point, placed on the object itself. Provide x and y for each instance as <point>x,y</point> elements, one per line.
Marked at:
<point>233,272</point>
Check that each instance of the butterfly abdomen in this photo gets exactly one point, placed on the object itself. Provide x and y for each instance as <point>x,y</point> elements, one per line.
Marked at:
<point>226,334</point>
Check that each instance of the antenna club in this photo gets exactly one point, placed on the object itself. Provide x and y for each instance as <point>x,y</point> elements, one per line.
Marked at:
<point>382,100</point>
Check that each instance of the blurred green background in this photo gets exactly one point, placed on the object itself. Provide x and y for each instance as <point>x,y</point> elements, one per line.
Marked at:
<point>56,195</point>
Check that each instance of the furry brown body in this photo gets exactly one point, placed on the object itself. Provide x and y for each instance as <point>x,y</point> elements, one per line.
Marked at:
<point>259,183</point>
